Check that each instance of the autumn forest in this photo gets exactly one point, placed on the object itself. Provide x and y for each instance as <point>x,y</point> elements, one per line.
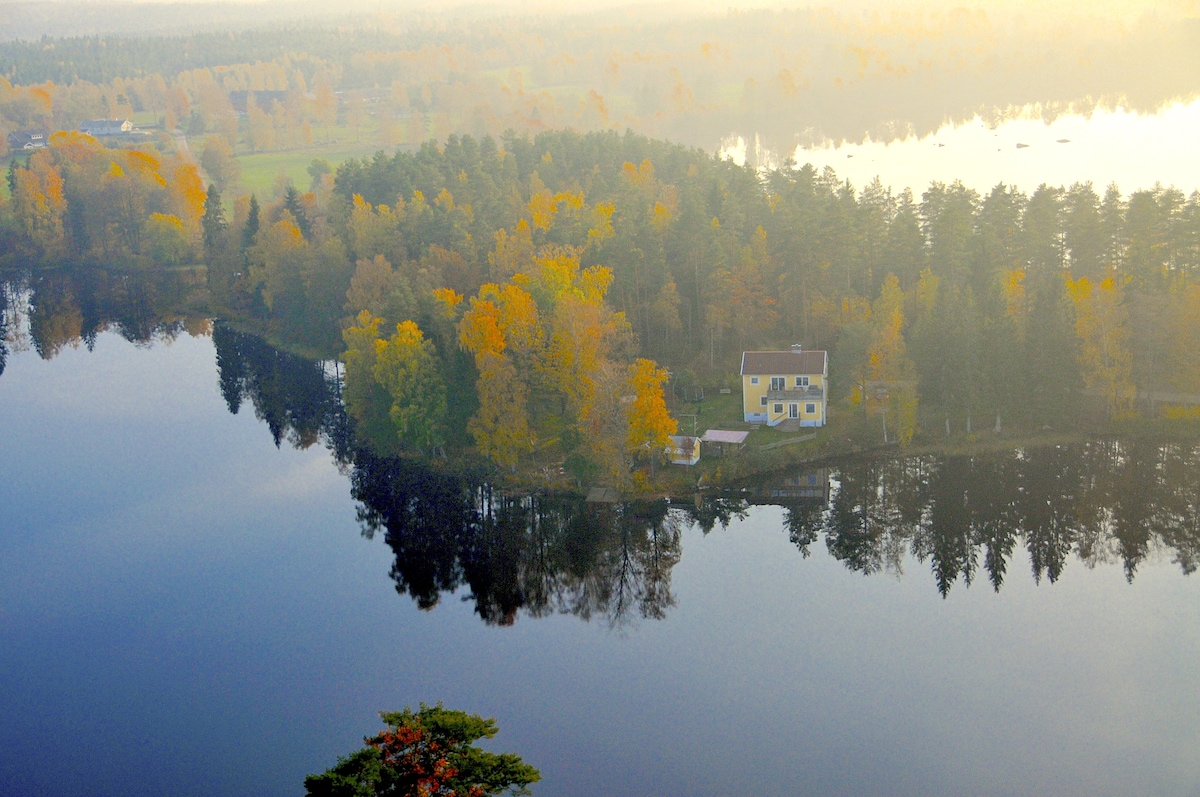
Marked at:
<point>538,295</point>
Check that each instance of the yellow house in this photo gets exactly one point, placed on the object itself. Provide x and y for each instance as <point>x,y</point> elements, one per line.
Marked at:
<point>780,386</point>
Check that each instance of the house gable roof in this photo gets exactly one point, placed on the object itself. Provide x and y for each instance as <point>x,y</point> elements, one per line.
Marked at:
<point>783,362</point>
<point>94,126</point>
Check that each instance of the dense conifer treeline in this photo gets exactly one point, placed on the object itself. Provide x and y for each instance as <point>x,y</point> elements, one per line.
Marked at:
<point>953,311</point>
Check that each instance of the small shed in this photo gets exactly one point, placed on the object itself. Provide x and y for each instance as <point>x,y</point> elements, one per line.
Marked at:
<point>683,450</point>
<point>724,440</point>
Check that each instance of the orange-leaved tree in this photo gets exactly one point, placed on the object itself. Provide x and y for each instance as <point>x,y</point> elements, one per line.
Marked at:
<point>430,752</point>
<point>650,423</point>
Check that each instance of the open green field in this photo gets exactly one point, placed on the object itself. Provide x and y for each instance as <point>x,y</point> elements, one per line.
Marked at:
<point>259,170</point>
<point>4,182</point>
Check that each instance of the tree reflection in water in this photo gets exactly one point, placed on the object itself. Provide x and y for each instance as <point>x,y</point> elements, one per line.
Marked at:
<point>5,302</point>
<point>537,554</point>
<point>53,310</point>
<point>514,553</point>
<point>1100,502</point>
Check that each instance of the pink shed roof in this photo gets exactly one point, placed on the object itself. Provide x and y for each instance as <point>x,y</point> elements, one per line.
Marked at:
<point>724,436</point>
<point>781,363</point>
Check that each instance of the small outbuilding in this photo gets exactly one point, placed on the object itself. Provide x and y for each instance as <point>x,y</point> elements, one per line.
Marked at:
<point>724,440</point>
<point>683,450</point>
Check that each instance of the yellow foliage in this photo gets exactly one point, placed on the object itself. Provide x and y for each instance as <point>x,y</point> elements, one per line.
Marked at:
<point>891,299</point>
<point>513,253</point>
<point>1101,324</point>
<point>542,207</point>
<point>1178,412</point>
<point>449,299</point>
<point>602,218</point>
<point>572,199</point>
<point>190,193</point>
<point>479,331</point>
<point>501,425</point>
<point>904,409</point>
<point>662,217</point>
<point>649,421</point>
<point>927,288</point>
<point>145,165</point>
<point>1016,298</point>
<point>854,308</point>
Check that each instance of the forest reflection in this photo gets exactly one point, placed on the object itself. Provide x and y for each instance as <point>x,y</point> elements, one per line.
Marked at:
<point>535,554</point>
<point>1105,502</point>
<point>52,310</point>
<point>1102,502</point>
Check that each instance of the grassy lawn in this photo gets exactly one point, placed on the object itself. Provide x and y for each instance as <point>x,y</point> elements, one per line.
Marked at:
<point>724,411</point>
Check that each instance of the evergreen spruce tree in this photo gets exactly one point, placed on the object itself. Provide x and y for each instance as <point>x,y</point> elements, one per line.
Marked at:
<point>251,228</point>
<point>213,223</point>
<point>293,205</point>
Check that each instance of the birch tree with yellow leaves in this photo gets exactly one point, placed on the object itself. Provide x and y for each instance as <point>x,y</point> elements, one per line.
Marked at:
<point>1102,326</point>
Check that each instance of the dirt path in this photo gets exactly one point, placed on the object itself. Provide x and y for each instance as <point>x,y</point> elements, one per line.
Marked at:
<point>181,146</point>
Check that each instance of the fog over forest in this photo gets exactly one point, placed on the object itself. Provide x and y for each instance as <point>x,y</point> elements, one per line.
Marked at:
<point>694,75</point>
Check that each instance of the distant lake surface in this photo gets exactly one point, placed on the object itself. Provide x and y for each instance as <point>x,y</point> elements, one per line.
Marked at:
<point>189,604</point>
<point>1133,150</point>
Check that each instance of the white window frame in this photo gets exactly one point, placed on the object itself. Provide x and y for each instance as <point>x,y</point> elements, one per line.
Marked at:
<point>778,383</point>
<point>810,409</point>
<point>763,400</point>
<point>778,408</point>
<point>802,381</point>
<point>754,380</point>
<point>793,410</point>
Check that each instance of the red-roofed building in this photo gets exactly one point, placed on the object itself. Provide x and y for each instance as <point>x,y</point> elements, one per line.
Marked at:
<point>780,386</point>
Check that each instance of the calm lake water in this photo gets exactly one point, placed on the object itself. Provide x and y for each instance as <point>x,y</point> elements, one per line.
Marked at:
<point>197,602</point>
<point>1114,145</point>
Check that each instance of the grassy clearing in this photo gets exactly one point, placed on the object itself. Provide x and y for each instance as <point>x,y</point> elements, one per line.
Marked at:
<point>260,170</point>
<point>4,161</point>
<point>340,143</point>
